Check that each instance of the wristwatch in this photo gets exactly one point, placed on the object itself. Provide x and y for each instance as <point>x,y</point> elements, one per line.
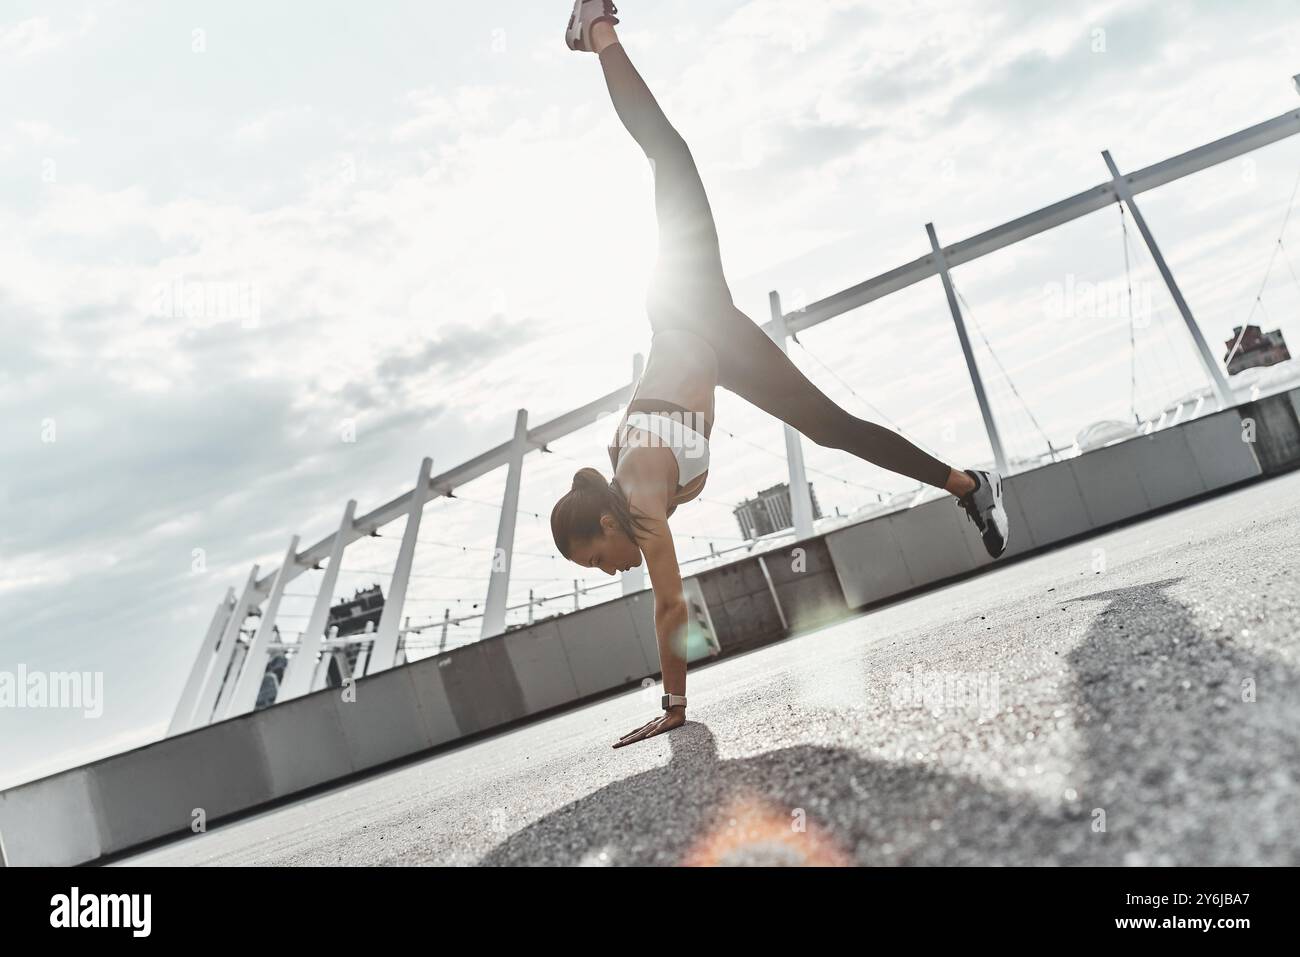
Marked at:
<point>673,701</point>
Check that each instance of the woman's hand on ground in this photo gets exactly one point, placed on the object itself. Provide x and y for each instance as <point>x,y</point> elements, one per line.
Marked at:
<point>673,718</point>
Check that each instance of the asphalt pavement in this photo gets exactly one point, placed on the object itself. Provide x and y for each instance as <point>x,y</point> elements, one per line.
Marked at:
<point>1128,699</point>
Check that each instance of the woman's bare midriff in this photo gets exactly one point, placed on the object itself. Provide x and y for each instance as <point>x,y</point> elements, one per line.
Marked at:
<point>682,369</point>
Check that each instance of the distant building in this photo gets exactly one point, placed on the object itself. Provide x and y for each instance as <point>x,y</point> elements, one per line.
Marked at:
<point>272,678</point>
<point>1257,349</point>
<point>351,616</point>
<point>769,511</point>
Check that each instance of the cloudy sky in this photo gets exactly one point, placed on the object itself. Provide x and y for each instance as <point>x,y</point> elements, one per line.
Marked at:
<point>423,221</point>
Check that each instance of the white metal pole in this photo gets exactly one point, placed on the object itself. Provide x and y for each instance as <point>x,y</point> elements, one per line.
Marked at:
<point>320,677</point>
<point>800,500</point>
<point>239,655</point>
<point>1217,379</point>
<point>366,655</point>
<point>384,652</point>
<point>250,676</point>
<point>402,638</point>
<point>202,663</point>
<point>771,588</point>
<point>302,666</point>
<point>205,707</point>
<point>494,608</point>
<point>990,425</point>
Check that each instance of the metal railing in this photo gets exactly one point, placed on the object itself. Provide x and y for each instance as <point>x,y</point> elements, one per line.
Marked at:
<point>206,695</point>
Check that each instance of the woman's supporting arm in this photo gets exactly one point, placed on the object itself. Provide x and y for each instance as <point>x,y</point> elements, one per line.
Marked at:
<point>670,609</point>
<point>670,626</point>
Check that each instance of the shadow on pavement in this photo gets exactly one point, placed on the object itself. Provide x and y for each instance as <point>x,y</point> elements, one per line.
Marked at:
<point>1186,771</point>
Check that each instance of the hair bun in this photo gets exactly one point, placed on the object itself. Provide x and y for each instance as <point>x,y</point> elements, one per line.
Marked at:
<point>587,478</point>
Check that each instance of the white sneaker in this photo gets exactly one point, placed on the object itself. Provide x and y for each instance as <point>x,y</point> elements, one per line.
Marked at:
<point>983,506</point>
<point>587,13</point>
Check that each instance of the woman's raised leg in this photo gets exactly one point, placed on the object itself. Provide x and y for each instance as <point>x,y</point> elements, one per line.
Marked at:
<point>755,368</point>
<point>688,280</point>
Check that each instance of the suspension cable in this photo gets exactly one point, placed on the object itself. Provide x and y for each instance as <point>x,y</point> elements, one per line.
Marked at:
<point>1277,246</point>
<point>873,408</point>
<point>1051,449</point>
<point>1132,318</point>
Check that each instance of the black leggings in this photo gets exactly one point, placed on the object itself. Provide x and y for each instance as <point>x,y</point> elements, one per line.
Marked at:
<point>689,291</point>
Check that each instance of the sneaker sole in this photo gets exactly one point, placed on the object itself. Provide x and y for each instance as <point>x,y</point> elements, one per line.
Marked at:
<point>997,496</point>
<point>571,39</point>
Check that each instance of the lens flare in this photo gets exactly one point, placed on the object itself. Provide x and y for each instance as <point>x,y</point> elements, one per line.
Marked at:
<point>755,833</point>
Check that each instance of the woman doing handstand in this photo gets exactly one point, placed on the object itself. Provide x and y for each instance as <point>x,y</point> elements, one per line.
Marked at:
<point>660,452</point>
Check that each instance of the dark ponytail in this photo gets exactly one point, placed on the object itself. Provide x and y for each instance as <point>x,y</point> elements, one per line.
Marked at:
<point>576,516</point>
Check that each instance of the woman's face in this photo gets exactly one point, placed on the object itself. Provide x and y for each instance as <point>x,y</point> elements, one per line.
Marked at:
<point>611,551</point>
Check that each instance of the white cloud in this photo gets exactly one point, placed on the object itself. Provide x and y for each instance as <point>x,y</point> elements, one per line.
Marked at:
<point>42,135</point>
<point>438,114</point>
<point>28,38</point>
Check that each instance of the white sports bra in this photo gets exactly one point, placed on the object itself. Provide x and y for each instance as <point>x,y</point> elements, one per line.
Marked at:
<point>689,447</point>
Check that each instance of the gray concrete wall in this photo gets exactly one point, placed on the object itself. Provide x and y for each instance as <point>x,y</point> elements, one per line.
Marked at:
<point>741,604</point>
<point>933,542</point>
<point>806,584</point>
<point>1277,429</point>
<point>117,803</point>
